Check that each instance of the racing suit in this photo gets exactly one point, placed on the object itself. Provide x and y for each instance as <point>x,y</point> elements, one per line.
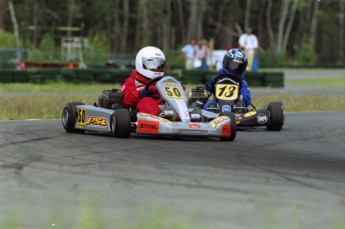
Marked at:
<point>130,89</point>
<point>244,92</point>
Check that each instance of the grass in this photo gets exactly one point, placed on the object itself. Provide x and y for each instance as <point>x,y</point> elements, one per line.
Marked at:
<point>55,87</point>
<point>46,101</point>
<point>329,82</point>
<point>88,215</point>
<point>303,103</point>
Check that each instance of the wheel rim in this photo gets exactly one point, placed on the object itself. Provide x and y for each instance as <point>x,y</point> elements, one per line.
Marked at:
<point>65,117</point>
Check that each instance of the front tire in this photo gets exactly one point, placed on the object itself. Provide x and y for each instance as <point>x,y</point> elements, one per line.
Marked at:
<point>121,123</point>
<point>277,116</point>
<point>69,117</point>
<point>233,126</point>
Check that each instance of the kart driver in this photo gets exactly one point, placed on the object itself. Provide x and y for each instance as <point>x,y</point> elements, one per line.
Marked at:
<point>149,64</point>
<point>234,63</point>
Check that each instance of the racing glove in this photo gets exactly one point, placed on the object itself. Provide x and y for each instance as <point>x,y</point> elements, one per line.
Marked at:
<point>145,93</point>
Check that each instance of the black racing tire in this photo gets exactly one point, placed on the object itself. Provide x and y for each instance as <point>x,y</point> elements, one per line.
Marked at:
<point>233,126</point>
<point>121,123</point>
<point>276,116</point>
<point>69,117</point>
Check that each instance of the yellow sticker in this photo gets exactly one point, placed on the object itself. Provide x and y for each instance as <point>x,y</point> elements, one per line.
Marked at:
<point>173,92</point>
<point>81,117</point>
<point>248,114</point>
<point>96,121</point>
<point>158,118</point>
<point>226,91</point>
<point>217,121</point>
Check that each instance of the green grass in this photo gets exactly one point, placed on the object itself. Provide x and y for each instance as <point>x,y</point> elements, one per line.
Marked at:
<point>46,101</point>
<point>38,106</point>
<point>329,82</point>
<point>55,87</point>
<point>89,215</point>
<point>303,103</point>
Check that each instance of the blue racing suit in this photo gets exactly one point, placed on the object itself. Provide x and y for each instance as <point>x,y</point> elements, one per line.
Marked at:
<point>245,92</point>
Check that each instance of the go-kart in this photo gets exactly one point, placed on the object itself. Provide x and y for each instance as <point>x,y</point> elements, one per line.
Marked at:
<point>175,119</point>
<point>227,99</point>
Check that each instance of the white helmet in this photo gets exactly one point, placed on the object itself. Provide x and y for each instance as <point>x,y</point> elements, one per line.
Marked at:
<point>150,62</point>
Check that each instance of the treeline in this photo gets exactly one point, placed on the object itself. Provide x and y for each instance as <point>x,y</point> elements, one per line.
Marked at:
<point>302,30</point>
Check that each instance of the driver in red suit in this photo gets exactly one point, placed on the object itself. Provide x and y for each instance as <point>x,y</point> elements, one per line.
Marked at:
<point>149,64</point>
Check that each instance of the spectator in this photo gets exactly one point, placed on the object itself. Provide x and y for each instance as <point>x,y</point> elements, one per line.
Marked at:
<point>188,53</point>
<point>201,54</point>
<point>249,43</point>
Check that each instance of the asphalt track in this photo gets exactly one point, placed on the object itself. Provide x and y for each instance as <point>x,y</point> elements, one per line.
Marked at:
<point>294,178</point>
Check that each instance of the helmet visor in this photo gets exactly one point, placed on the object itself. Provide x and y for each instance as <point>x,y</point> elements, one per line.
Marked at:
<point>154,64</point>
<point>236,66</point>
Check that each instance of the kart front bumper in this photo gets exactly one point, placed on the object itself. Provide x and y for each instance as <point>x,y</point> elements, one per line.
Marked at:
<point>153,125</point>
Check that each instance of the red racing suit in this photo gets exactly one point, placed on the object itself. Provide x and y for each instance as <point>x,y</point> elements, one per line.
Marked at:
<point>130,89</point>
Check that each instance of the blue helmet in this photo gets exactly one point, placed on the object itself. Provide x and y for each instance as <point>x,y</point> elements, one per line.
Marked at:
<point>235,61</point>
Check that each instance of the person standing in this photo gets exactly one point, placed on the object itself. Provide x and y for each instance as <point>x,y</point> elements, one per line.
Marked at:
<point>188,53</point>
<point>250,44</point>
<point>201,55</point>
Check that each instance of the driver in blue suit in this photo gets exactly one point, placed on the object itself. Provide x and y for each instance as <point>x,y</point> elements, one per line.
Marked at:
<point>234,63</point>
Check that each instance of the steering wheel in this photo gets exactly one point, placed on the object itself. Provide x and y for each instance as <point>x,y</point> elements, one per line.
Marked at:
<point>152,81</point>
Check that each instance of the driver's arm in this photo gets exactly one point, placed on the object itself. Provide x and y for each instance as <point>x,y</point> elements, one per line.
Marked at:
<point>209,86</point>
<point>245,92</point>
<point>131,94</point>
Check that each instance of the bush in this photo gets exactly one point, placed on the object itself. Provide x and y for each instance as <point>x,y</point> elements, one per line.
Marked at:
<point>47,43</point>
<point>307,54</point>
<point>270,58</point>
<point>7,40</point>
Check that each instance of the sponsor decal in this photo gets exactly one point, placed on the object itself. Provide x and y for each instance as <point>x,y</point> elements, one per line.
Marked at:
<point>194,125</point>
<point>239,55</point>
<point>226,130</point>
<point>169,83</point>
<point>139,85</point>
<point>96,121</point>
<point>262,118</point>
<point>218,121</point>
<point>226,108</point>
<point>250,113</point>
<point>157,118</point>
<point>228,79</point>
<point>145,126</point>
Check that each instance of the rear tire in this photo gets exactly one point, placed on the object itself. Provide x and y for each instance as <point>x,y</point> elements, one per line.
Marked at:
<point>233,126</point>
<point>277,116</point>
<point>121,123</point>
<point>69,117</point>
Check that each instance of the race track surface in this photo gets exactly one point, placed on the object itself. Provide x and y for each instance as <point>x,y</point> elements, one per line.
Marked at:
<point>294,178</point>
